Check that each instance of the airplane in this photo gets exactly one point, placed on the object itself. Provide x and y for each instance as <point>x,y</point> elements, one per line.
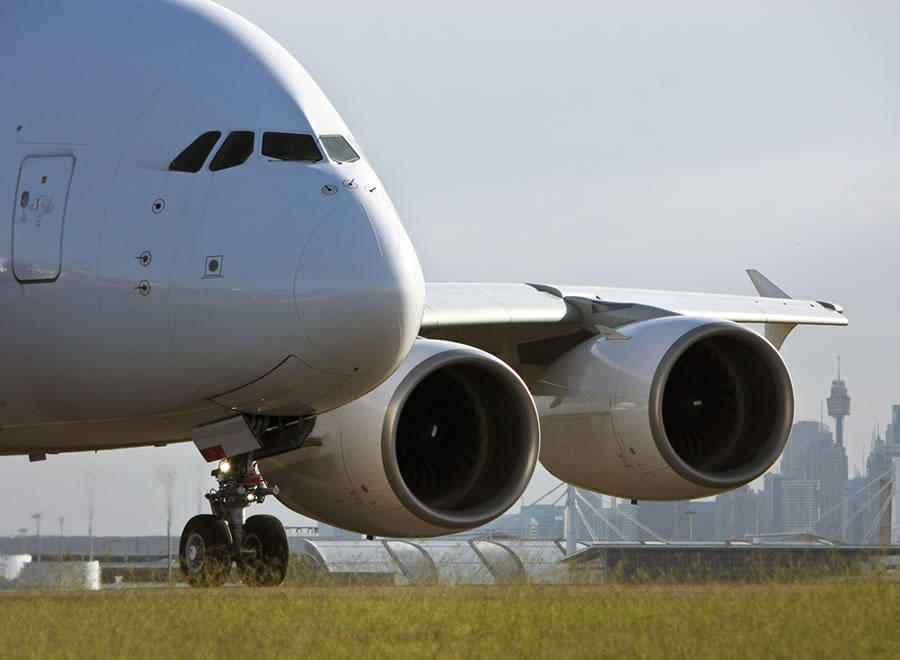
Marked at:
<point>199,250</point>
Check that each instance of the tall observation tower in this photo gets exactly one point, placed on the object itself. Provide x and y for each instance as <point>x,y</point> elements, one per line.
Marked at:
<point>839,405</point>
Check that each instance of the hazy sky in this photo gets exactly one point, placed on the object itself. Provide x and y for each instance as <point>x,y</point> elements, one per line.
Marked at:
<point>628,144</point>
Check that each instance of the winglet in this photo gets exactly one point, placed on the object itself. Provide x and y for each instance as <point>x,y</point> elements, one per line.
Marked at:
<point>764,285</point>
<point>776,333</point>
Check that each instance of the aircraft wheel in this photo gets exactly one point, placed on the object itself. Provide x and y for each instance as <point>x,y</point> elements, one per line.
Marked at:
<point>264,558</point>
<point>205,551</point>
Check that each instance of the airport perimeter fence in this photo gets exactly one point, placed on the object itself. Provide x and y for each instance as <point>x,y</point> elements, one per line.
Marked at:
<point>443,562</point>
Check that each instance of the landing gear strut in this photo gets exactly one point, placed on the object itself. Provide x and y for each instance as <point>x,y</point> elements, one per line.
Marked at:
<point>259,545</point>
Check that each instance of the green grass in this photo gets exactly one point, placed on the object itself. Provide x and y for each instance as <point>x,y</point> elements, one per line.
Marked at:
<point>834,619</point>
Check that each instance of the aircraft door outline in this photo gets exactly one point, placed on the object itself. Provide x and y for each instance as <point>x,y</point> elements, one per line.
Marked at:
<point>41,197</point>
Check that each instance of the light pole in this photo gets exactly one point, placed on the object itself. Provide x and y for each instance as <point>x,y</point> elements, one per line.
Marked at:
<point>91,478</point>
<point>690,515</point>
<point>571,524</point>
<point>166,476</point>
<point>37,524</point>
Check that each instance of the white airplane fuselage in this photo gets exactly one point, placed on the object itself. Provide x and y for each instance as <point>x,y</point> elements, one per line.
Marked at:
<point>139,302</point>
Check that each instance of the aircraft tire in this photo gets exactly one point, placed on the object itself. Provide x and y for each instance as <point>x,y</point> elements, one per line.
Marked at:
<point>205,551</point>
<point>266,565</point>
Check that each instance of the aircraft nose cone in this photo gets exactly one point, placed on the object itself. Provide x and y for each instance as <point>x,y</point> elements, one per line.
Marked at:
<point>359,292</point>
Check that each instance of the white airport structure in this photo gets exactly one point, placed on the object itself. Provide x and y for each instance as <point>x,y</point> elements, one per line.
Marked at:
<point>11,567</point>
<point>20,572</point>
<point>435,561</point>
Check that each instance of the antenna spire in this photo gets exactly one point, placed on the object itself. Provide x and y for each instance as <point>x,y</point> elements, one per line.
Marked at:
<point>838,405</point>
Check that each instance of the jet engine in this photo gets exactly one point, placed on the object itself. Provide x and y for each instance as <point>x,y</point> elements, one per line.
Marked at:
<point>669,408</point>
<point>447,443</point>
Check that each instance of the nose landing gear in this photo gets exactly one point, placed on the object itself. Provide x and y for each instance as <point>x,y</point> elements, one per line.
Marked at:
<point>210,542</point>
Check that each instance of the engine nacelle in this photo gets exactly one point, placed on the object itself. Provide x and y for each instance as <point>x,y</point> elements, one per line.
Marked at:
<point>449,442</point>
<point>682,408</point>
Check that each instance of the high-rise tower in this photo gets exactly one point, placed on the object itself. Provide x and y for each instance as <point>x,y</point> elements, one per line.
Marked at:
<point>838,405</point>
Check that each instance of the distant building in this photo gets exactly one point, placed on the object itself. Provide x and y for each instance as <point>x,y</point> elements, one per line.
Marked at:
<point>804,436</point>
<point>613,522</point>
<point>893,532</point>
<point>828,466</point>
<point>878,470</point>
<point>516,525</point>
<point>737,514</point>
<point>796,505</point>
<point>589,527</point>
<point>812,455</point>
<point>677,521</point>
<point>702,521</point>
<point>788,506</point>
<point>532,521</point>
<point>663,518</point>
<point>766,503</point>
<point>854,511</point>
<point>838,405</point>
<point>547,521</point>
<point>892,434</point>
<point>621,516</point>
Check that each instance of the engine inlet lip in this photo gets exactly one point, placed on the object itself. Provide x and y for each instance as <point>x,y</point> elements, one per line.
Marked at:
<point>509,494</point>
<point>781,428</point>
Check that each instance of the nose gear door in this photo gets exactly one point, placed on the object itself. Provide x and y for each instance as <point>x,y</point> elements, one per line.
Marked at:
<point>38,217</point>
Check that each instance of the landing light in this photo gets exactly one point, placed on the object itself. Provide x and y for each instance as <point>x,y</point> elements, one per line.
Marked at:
<point>225,467</point>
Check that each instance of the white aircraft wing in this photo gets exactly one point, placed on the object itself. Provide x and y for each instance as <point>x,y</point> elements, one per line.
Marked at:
<point>455,306</point>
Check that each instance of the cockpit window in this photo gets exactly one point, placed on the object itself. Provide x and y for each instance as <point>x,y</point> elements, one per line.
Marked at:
<point>338,148</point>
<point>291,146</point>
<point>194,155</point>
<point>235,150</point>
